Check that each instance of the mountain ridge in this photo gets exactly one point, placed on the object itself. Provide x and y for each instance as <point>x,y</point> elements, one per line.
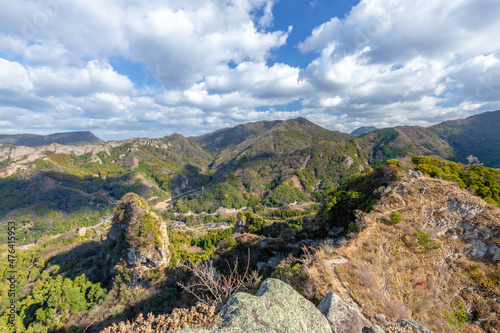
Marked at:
<point>64,138</point>
<point>279,162</point>
<point>453,139</point>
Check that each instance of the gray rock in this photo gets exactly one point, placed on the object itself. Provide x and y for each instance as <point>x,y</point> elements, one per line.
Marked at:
<point>414,325</point>
<point>380,318</point>
<point>342,317</point>
<point>376,329</point>
<point>276,308</point>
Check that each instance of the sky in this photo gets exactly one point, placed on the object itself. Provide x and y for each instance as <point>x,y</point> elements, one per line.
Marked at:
<point>150,68</point>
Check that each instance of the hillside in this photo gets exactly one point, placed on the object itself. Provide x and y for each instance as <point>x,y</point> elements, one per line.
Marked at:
<point>391,245</point>
<point>417,252</point>
<point>263,165</point>
<point>31,140</point>
<point>230,137</point>
<point>387,143</point>
<point>477,135</point>
<point>429,252</point>
<point>417,247</point>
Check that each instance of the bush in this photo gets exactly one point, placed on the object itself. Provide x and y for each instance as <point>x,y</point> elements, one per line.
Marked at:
<point>396,217</point>
<point>425,241</point>
<point>254,222</point>
<point>229,242</point>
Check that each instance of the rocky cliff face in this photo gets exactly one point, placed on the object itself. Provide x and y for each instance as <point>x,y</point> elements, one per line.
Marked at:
<point>138,239</point>
<point>444,209</point>
<point>437,263</point>
<point>22,157</point>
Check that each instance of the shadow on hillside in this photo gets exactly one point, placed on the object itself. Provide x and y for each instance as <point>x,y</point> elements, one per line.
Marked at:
<point>55,202</point>
<point>191,177</point>
<point>88,258</point>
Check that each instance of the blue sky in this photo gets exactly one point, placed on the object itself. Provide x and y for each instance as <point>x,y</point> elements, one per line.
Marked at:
<point>130,68</point>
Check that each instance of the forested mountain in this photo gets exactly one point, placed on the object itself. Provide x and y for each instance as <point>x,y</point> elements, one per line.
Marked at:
<point>363,130</point>
<point>92,254</point>
<point>383,144</point>
<point>478,135</point>
<point>267,164</point>
<point>232,136</point>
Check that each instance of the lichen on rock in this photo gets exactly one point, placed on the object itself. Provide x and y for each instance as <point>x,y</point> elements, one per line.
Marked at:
<point>275,308</point>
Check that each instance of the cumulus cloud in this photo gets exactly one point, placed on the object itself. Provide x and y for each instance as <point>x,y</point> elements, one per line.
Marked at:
<point>407,61</point>
<point>14,77</point>
<point>209,64</point>
<point>93,78</point>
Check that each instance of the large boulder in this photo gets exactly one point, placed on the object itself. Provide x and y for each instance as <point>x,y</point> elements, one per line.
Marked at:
<point>342,318</point>
<point>275,308</point>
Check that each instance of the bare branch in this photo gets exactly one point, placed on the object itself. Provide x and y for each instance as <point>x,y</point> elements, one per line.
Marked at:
<point>212,288</point>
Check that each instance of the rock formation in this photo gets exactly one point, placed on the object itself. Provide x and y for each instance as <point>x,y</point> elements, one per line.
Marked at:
<point>342,317</point>
<point>275,308</point>
<point>138,238</point>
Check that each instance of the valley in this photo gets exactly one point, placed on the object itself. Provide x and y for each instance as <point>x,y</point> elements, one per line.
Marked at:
<point>401,222</point>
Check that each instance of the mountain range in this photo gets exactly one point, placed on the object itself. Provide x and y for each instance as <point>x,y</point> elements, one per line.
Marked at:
<point>278,162</point>
<point>382,219</point>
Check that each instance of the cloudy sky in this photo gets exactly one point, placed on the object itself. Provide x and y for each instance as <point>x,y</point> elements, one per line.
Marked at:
<point>149,68</point>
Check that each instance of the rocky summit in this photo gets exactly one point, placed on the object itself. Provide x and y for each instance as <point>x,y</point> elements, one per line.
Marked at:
<point>276,307</point>
<point>137,238</point>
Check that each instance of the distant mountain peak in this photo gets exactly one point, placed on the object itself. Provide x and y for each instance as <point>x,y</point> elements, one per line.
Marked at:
<point>363,130</point>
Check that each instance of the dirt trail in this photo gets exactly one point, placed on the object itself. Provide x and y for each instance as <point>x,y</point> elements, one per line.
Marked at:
<point>342,290</point>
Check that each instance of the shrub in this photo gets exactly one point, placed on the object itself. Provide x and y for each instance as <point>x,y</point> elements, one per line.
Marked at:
<point>199,316</point>
<point>229,242</point>
<point>212,288</point>
<point>396,217</point>
<point>425,241</point>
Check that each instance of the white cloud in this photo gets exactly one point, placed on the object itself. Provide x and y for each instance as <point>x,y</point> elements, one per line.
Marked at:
<point>404,60</point>
<point>93,78</point>
<point>14,77</point>
<point>387,62</point>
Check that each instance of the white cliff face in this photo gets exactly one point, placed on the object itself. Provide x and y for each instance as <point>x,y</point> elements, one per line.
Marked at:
<point>21,157</point>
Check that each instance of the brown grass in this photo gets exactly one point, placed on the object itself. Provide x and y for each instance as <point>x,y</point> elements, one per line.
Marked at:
<point>391,272</point>
<point>200,316</point>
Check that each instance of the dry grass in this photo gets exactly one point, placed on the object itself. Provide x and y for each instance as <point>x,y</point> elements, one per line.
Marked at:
<point>410,270</point>
<point>200,316</point>
<point>392,271</point>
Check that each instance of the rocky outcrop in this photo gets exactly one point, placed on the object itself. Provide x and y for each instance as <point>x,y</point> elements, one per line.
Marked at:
<point>405,325</point>
<point>21,157</point>
<point>138,238</point>
<point>454,212</point>
<point>342,317</point>
<point>445,247</point>
<point>275,308</point>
